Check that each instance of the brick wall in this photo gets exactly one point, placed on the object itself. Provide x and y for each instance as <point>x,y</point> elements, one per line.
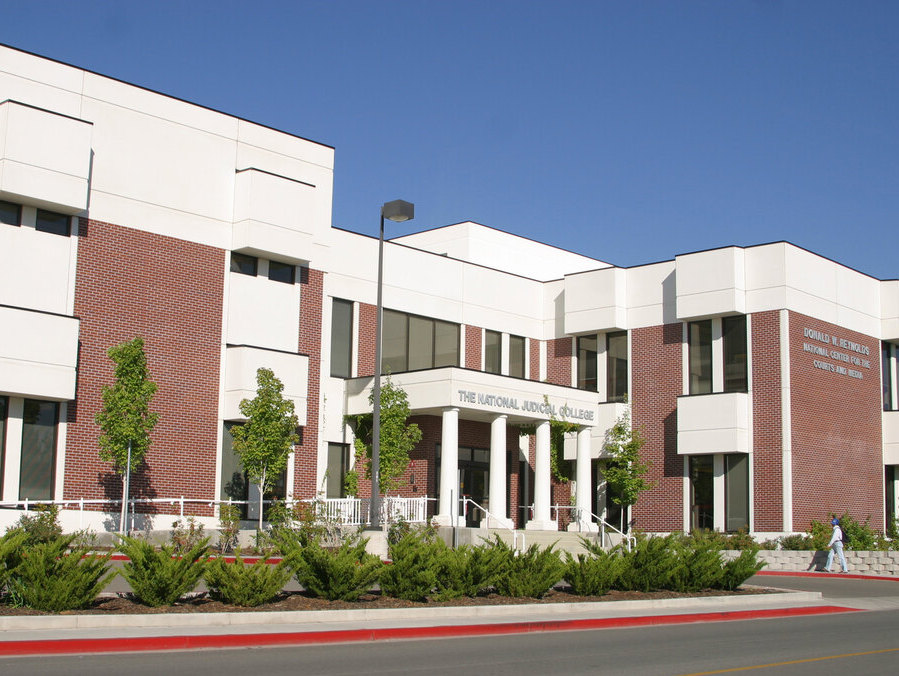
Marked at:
<point>534,359</point>
<point>559,352</point>
<point>132,283</point>
<point>836,435</point>
<point>657,382</point>
<point>767,415</point>
<point>473,347</point>
<point>309,342</point>
<point>368,319</point>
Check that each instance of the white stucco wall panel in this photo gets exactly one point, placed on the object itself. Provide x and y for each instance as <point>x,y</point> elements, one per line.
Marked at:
<point>596,301</point>
<point>44,157</point>
<point>711,283</point>
<point>35,269</point>
<point>608,414</point>
<point>263,313</point>
<point>889,309</point>
<point>38,354</point>
<point>41,82</point>
<point>286,145</point>
<point>713,423</point>
<point>651,295</point>
<point>241,365</point>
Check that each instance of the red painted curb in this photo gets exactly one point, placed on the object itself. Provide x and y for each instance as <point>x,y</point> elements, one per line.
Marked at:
<point>825,574</point>
<point>147,643</point>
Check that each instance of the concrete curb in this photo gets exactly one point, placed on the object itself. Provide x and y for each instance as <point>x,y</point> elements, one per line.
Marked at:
<point>460,613</point>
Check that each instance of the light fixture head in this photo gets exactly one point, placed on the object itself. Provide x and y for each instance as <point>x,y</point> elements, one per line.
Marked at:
<point>398,211</point>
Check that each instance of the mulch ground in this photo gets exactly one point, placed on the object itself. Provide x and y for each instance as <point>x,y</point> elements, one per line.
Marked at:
<point>300,601</point>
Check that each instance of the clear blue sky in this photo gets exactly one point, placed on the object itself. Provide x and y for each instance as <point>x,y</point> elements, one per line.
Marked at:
<point>626,131</point>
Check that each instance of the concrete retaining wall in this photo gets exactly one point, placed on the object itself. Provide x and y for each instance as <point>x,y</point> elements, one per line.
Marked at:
<point>860,563</point>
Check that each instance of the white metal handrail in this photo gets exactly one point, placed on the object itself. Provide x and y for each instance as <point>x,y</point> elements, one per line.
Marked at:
<point>515,533</point>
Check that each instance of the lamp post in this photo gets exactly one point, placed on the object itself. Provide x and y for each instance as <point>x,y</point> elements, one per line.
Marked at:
<point>397,211</point>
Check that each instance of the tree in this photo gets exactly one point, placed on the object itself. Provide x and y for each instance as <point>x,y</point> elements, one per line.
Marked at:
<point>397,440</point>
<point>264,441</point>
<point>625,470</point>
<point>125,419</point>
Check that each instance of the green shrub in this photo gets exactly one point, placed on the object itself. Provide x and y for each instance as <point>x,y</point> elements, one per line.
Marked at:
<point>466,571</point>
<point>11,546</point>
<point>594,573</point>
<point>531,573</point>
<point>246,585</point>
<point>412,574</point>
<point>341,574</point>
<point>40,525</point>
<point>52,577</point>
<point>797,543</point>
<point>159,577</point>
<point>740,569</point>
<point>650,565</point>
<point>698,565</point>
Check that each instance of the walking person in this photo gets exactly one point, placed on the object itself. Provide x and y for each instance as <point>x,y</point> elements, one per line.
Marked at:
<point>836,545</point>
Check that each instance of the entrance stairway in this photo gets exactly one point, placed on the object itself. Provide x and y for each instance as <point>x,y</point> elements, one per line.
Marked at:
<point>522,539</point>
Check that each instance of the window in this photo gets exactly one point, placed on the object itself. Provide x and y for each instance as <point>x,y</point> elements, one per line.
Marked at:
<point>616,366</point>
<point>736,492</point>
<point>341,338</point>
<point>733,330</point>
<point>411,342</point>
<point>493,351</point>
<point>700,346</point>
<point>10,213</point>
<point>338,463</point>
<point>587,378</point>
<point>235,485</point>
<point>701,493</point>
<point>4,412</point>
<point>243,264</point>
<point>516,356</point>
<point>282,272</point>
<point>36,478</point>
<point>52,222</point>
<point>886,365</point>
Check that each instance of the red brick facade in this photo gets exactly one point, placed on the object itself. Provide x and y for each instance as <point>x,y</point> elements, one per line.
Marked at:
<point>559,353</point>
<point>657,376</point>
<point>309,343</point>
<point>133,283</point>
<point>767,426</point>
<point>836,424</point>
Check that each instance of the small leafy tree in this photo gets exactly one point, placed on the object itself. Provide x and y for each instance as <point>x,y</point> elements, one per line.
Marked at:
<point>398,438</point>
<point>125,419</point>
<point>264,441</point>
<point>625,470</point>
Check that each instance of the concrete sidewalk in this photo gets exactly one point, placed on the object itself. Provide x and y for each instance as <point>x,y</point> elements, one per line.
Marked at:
<point>22,635</point>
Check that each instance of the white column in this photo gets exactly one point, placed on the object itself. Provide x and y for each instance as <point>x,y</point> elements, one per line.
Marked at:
<point>541,520</point>
<point>584,489</point>
<point>449,469</point>
<point>719,520</point>
<point>13,459</point>
<point>498,475</point>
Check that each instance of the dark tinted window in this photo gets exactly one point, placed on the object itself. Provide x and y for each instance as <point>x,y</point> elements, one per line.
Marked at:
<point>736,360</point>
<point>616,366</point>
<point>281,272</point>
<point>493,351</point>
<point>700,336</point>
<point>341,338</point>
<point>52,222</point>
<point>38,450</point>
<point>243,264</point>
<point>10,213</point>
<point>587,377</point>
<point>516,356</point>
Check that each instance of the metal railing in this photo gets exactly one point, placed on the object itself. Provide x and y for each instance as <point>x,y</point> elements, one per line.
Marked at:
<point>487,515</point>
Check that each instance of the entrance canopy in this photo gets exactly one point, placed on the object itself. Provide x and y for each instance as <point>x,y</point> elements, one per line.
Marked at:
<point>483,396</point>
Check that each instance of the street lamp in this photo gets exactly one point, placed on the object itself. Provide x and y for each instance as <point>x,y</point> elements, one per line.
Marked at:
<point>397,211</point>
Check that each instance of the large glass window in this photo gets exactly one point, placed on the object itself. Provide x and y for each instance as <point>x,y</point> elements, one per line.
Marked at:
<point>38,450</point>
<point>886,366</point>
<point>52,222</point>
<point>236,485</point>
<point>4,412</point>
<point>587,377</point>
<point>10,213</point>
<point>338,463</point>
<point>516,356</point>
<point>735,354</point>
<point>700,347</point>
<point>493,351</point>
<point>616,366</point>
<point>701,493</point>
<point>736,492</point>
<point>411,342</point>
<point>341,338</point>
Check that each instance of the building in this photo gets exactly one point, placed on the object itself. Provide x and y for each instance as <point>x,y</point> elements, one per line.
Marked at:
<point>763,378</point>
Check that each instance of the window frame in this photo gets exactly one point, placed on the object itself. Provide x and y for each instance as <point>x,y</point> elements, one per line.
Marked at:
<point>238,260</point>
<point>493,352</point>
<point>585,358</point>
<point>514,343</point>
<point>616,383</point>
<point>701,379</point>
<point>406,336</point>
<point>346,353</point>
<point>18,208</point>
